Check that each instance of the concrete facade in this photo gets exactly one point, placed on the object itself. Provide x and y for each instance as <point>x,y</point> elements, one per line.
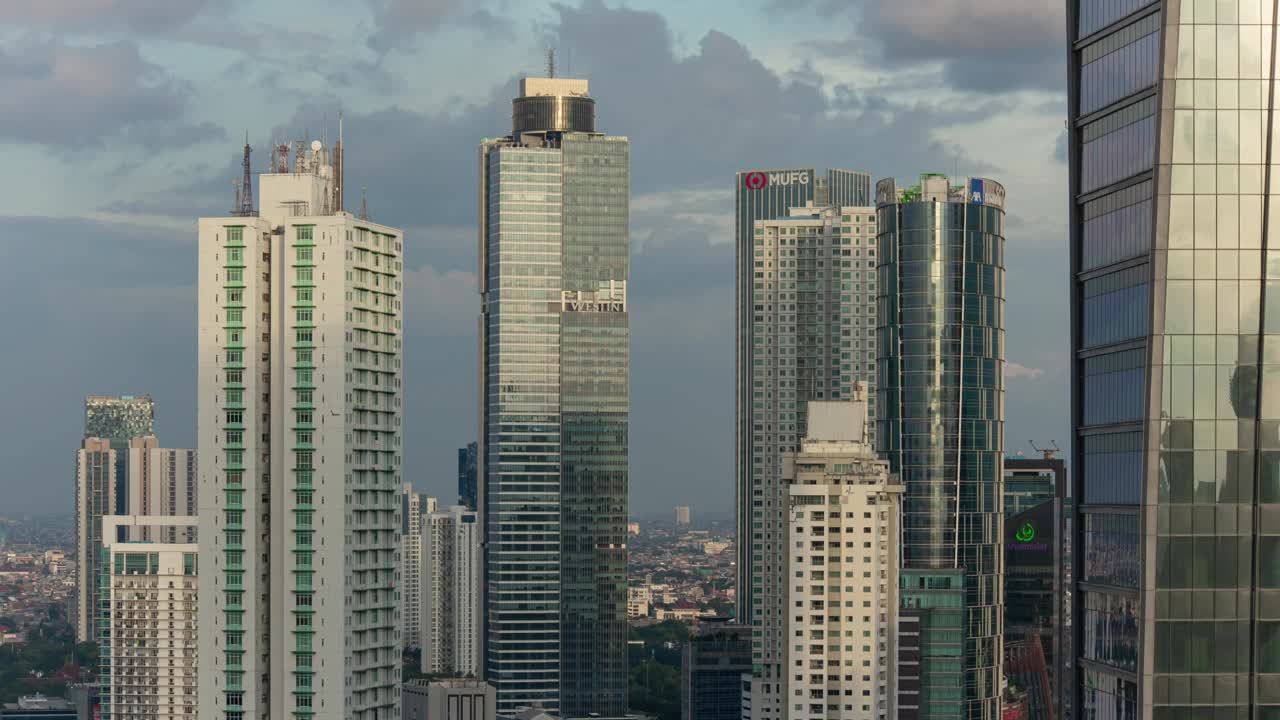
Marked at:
<point>299,406</point>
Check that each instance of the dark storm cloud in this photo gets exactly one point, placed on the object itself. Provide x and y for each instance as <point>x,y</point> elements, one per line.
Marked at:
<point>92,307</point>
<point>65,97</point>
<point>984,45</point>
<point>95,16</point>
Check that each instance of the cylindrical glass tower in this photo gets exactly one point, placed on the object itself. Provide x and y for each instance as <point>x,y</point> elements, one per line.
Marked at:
<point>940,367</point>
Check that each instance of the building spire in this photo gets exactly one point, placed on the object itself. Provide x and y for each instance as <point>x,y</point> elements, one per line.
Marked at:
<point>246,184</point>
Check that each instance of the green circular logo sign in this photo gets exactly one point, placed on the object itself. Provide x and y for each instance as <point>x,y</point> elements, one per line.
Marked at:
<point>1026,533</point>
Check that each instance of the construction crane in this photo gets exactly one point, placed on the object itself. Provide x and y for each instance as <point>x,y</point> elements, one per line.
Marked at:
<point>1047,452</point>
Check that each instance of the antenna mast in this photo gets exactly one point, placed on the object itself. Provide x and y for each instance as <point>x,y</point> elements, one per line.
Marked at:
<point>337,170</point>
<point>246,184</point>
<point>551,62</point>
<point>364,204</point>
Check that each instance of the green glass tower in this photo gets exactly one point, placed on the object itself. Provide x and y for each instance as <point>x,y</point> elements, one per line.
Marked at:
<point>940,368</point>
<point>555,359</point>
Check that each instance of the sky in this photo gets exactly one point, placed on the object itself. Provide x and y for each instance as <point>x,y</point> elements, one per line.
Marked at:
<point>122,121</point>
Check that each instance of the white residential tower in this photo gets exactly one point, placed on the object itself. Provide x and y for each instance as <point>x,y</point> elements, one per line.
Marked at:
<point>299,451</point>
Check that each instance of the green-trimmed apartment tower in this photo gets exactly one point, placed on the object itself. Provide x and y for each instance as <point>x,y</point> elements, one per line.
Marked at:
<point>940,369</point>
<point>1175,338</point>
<point>555,404</point>
<point>299,452</point>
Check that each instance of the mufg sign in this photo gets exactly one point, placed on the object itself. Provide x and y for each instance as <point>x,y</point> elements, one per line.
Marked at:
<point>758,180</point>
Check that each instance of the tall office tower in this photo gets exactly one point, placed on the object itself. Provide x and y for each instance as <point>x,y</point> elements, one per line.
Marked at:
<point>1034,607</point>
<point>553,449</point>
<point>467,476</point>
<point>827,643</point>
<point>940,364</point>
<point>1175,382</point>
<point>299,452</point>
<point>147,647</point>
<point>161,481</point>
<point>713,662</point>
<point>767,195</point>
<point>96,491</point>
<point>451,580</point>
<point>413,506</point>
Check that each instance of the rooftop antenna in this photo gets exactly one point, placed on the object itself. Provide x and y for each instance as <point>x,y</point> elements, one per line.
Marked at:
<point>246,193</point>
<point>551,62</point>
<point>1047,452</point>
<point>337,170</point>
<point>364,203</point>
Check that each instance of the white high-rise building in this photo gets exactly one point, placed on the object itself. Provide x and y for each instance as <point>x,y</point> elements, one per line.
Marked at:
<point>831,606</point>
<point>147,624</point>
<point>299,452</point>
<point>412,506</point>
<point>162,481</point>
<point>452,572</point>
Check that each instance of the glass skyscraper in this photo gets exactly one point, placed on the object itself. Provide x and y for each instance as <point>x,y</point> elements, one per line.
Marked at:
<point>555,356</point>
<point>940,368</point>
<point>762,195</point>
<point>1176,358</point>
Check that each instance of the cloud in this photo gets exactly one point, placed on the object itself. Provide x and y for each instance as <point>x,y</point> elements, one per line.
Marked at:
<point>1060,148</point>
<point>62,16</point>
<point>983,45</point>
<point>70,97</point>
<point>399,22</point>
<point>1014,370</point>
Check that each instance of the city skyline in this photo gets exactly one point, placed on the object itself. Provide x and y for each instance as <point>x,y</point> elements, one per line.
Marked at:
<point>683,235</point>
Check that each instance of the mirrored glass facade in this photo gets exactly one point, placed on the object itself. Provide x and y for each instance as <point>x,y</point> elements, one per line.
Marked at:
<point>940,368</point>
<point>555,418</point>
<point>1176,341</point>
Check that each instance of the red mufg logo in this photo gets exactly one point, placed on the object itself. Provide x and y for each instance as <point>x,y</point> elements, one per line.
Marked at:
<point>755,180</point>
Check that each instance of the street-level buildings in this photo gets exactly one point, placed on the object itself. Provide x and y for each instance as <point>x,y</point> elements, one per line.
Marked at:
<point>713,663</point>
<point>299,407</point>
<point>554,267</point>
<point>1036,621</point>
